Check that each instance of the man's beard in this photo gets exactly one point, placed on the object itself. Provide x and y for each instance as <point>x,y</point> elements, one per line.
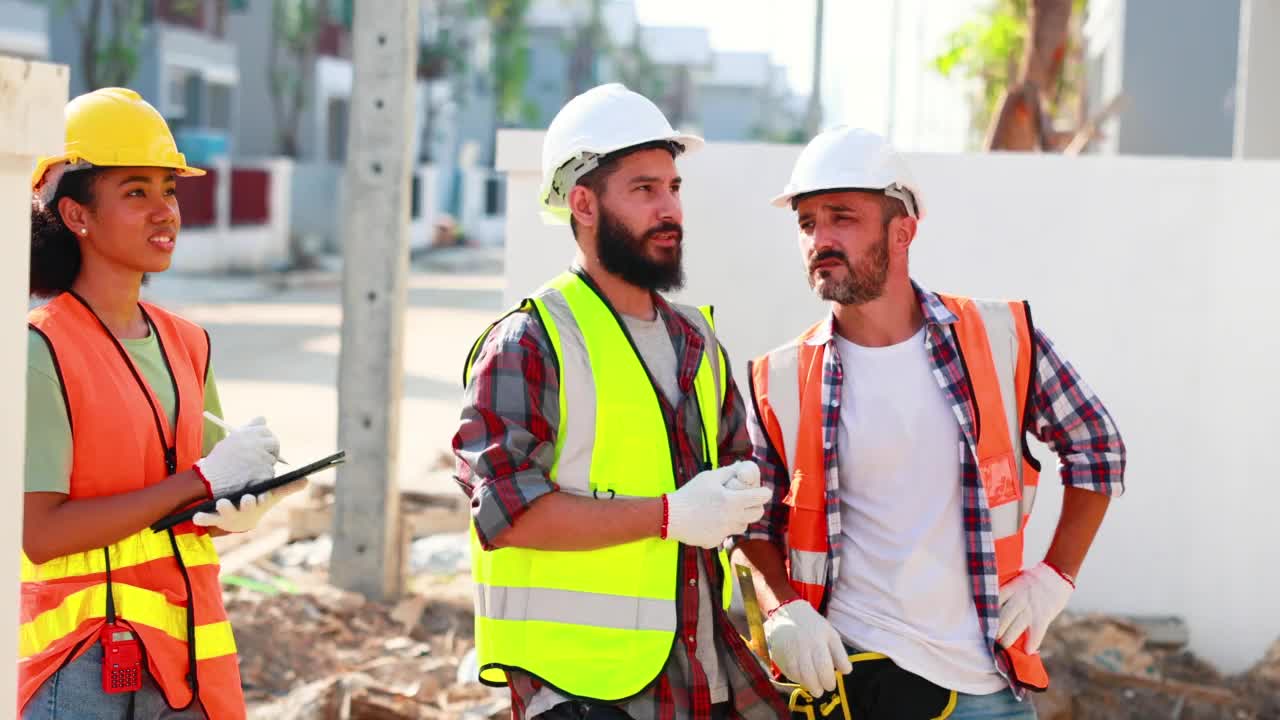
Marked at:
<point>622,253</point>
<point>862,283</point>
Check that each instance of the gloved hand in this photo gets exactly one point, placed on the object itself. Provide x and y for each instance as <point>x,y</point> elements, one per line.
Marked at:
<point>1029,602</point>
<point>246,455</point>
<point>704,512</point>
<point>805,647</point>
<point>746,475</point>
<point>252,508</point>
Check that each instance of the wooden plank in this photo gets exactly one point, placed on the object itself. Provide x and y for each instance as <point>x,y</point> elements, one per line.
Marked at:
<point>244,555</point>
<point>1174,688</point>
<point>312,521</point>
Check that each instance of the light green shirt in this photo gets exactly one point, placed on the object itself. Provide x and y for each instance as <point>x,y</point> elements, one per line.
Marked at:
<point>48,467</point>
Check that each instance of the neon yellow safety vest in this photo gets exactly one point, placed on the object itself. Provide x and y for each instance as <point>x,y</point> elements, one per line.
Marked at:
<point>598,624</point>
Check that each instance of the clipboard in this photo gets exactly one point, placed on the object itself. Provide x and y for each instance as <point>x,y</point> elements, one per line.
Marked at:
<point>210,505</point>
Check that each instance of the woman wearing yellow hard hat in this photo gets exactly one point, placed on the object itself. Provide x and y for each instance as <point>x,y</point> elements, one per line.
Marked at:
<point>119,621</point>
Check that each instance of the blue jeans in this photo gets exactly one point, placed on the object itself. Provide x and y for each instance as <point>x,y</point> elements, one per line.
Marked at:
<point>75,693</point>
<point>996,706</point>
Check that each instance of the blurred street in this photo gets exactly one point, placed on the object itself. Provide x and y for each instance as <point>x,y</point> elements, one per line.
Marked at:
<point>275,351</point>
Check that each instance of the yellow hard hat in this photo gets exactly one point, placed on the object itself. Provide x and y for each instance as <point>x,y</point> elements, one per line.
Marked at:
<point>115,127</point>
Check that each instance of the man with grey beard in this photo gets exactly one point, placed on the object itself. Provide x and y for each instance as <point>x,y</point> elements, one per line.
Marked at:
<point>603,445</point>
<point>892,434</point>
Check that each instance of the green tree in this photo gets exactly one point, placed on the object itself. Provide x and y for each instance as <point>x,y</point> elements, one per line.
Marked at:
<point>510,59</point>
<point>637,70</point>
<point>108,43</point>
<point>1025,58</point>
<point>443,57</point>
<point>585,45</point>
<point>295,26</point>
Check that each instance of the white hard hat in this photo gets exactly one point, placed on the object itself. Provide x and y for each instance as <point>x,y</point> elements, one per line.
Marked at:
<point>845,158</point>
<point>601,120</point>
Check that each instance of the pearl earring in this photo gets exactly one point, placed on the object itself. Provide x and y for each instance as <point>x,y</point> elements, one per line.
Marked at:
<point>84,231</point>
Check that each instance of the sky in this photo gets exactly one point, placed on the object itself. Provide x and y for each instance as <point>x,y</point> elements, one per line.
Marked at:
<point>856,56</point>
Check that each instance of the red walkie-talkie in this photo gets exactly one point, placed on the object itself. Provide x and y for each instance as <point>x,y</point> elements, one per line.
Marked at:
<point>121,650</point>
<point>121,659</point>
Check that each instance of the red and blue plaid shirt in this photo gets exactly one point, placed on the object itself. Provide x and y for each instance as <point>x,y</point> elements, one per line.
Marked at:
<point>1063,413</point>
<point>506,448</point>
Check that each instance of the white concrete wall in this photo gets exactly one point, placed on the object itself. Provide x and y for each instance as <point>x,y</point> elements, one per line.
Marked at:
<point>32,96</point>
<point>225,246</point>
<point>1155,277</point>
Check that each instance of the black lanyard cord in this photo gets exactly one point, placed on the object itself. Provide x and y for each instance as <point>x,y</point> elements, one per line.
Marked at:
<point>192,675</point>
<point>111,601</point>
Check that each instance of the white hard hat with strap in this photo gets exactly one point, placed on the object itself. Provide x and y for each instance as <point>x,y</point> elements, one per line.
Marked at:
<point>600,121</point>
<point>845,158</point>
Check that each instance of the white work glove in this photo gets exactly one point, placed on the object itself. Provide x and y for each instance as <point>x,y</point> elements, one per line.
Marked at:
<point>704,512</point>
<point>252,508</point>
<point>805,647</point>
<point>246,455</point>
<point>746,475</point>
<point>1029,602</point>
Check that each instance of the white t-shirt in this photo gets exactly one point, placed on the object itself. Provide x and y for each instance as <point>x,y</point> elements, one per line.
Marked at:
<point>904,588</point>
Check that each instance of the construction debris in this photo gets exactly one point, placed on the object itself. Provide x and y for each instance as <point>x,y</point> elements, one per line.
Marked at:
<point>425,514</point>
<point>311,652</point>
<point>1107,668</point>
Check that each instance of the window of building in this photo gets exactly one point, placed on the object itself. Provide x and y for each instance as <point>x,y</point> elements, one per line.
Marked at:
<point>175,104</point>
<point>493,196</point>
<point>337,115</point>
<point>219,107</point>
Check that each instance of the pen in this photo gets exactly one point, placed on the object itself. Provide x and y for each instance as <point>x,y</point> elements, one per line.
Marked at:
<point>223,424</point>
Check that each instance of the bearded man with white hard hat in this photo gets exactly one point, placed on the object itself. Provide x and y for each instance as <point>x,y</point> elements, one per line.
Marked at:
<point>892,434</point>
<point>603,444</point>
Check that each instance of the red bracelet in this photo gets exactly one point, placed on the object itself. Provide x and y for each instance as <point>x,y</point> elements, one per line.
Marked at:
<point>207,487</point>
<point>666,518</point>
<point>792,600</point>
<point>1070,580</point>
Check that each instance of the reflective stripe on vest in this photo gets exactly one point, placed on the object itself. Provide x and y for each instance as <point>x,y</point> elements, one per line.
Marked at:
<point>995,341</point>
<point>786,387</point>
<point>123,441</point>
<point>619,612</point>
<point>596,624</point>
<point>212,640</point>
<point>997,350</point>
<point>138,549</point>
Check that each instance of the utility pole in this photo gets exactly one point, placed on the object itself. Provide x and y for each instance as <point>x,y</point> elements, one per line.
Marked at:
<point>813,116</point>
<point>368,548</point>
<point>32,96</point>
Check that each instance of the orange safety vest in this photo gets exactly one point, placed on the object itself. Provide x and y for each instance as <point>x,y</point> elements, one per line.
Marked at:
<point>165,585</point>
<point>995,344</point>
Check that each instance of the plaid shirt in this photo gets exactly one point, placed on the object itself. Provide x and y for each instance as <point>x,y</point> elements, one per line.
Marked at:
<point>1063,412</point>
<point>506,448</point>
